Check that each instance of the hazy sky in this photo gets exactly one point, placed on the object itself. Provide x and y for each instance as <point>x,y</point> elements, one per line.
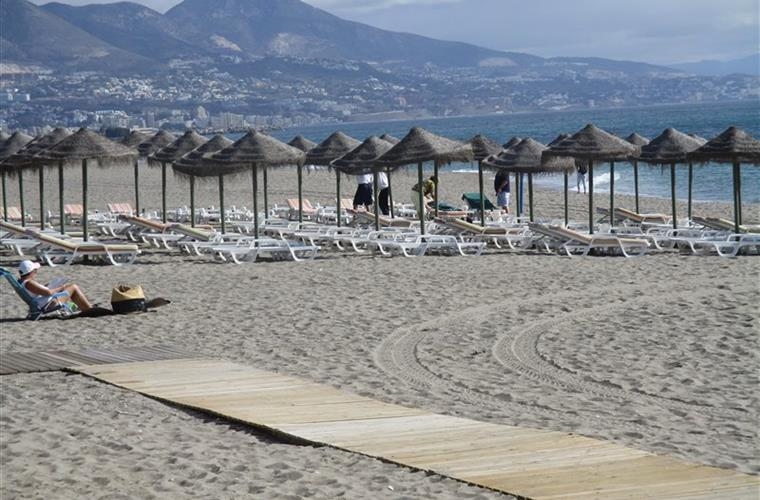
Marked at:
<point>656,31</point>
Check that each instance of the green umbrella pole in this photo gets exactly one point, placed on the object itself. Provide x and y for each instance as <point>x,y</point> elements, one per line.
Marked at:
<point>255,177</point>
<point>612,194</point>
<point>376,202</point>
<point>636,183</point>
<point>137,188</point>
<point>300,195</point>
<point>60,198</point>
<point>691,183</point>
<point>566,189</point>
<point>5,197</point>
<point>163,192</point>
<point>221,199</point>
<point>21,197</point>
<point>337,191</point>
<point>84,200</point>
<point>482,201</point>
<point>591,197</point>
<point>192,201</point>
<point>530,195</point>
<point>737,197</point>
<point>266,198</point>
<point>42,198</point>
<point>390,194</point>
<point>421,199</point>
<point>435,189</point>
<point>673,193</point>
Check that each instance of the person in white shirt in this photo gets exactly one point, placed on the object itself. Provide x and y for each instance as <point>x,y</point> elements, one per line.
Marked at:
<point>382,193</point>
<point>363,195</point>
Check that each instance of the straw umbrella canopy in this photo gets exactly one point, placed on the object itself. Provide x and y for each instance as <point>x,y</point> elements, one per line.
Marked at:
<point>256,149</point>
<point>361,160</point>
<point>419,146</point>
<point>9,147</point>
<point>669,148</point>
<point>86,145</point>
<point>336,145</point>
<point>638,141</point>
<point>593,144</point>
<point>159,140</point>
<point>133,139</point>
<point>167,154</point>
<point>733,146</point>
<point>192,164</point>
<point>525,158</point>
<point>25,158</point>
<point>4,136</point>
<point>390,138</point>
<point>304,145</point>
<point>514,141</point>
<point>482,148</point>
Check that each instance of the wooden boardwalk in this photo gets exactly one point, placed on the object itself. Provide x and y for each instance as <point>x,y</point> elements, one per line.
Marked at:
<point>526,462</point>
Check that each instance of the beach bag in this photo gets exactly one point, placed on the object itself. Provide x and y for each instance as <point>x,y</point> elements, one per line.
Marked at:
<point>127,299</point>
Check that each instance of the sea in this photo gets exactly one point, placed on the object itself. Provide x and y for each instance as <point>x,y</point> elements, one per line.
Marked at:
<point>711,182</point>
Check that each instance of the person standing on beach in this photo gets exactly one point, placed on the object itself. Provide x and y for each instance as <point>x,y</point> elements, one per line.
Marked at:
<point>363,195</point>
<point>382,195</point>
<point>428,194</point>
<point>580,167</point>
<point>501,186</point>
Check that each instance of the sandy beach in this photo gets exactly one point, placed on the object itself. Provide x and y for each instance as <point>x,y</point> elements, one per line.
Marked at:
<point>658,353</point>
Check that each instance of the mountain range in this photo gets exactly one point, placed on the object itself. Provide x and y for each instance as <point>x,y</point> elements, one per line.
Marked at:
<point>127,36</point>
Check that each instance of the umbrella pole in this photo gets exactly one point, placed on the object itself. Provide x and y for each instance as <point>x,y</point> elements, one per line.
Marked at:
<point>737,199</point>
<point>530,195</point>
<point>739,192</point>
<point>636,183</point>
<point>435,189</point>
<point>5,197</point>
<point>192,201</point>
<point>163,191</point>
<point>84,199</point>
<point>517,195</point>
<point>42,198</point>
<point>673,193</point>
<point>21,197</point>
<point>390,194</point>
<point>137,189</point>
<point>591,196</point>
<point>566,188</point>
<point>221,199</point>
<point>299,171</point>
<point>482,201</point>
<point>266,200</point>
<point>612,194</point>
<point>420,198</point>
<point>337,191</point>
<point>522,193</point>
<point>60,198</point>
<point>376,202</point>
<point>255,177</point>
<point>691,183</point>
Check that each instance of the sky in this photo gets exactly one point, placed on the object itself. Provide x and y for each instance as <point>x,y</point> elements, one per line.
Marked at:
<point>653,31</point>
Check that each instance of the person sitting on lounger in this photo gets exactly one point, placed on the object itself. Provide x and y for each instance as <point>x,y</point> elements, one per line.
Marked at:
<point>428,194</point>
<point>28,272</point>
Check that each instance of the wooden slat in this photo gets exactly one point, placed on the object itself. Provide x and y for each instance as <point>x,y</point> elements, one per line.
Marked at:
<point>527,462</point>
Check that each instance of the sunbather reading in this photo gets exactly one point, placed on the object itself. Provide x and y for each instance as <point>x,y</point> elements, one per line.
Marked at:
<point>28,272</point>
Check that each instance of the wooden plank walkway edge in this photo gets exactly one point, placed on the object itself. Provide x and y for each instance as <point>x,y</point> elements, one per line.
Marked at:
<point>529,463</point>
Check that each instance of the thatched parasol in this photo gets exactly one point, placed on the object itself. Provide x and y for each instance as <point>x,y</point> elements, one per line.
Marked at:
<point>669,148</point>
<point>638,141</point>
<point>155,142</point>
<point>733,146</point>
<point>256,149</point>
<point>593,144</point>
<point>482,148</point>
<point>132,140</point>
<point>4,136</point>
<point>332,148</point>
<point>302,143</point>
<point>192,165</point>
<point>361,160</point>
<point>514,141</point>
<point>9,147</point>
<point>167,154</point>
<point>86,145</point>
<point>419,146</point>
<point>390,138</point>
<point>525,158</point>
<point>27,158</point>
